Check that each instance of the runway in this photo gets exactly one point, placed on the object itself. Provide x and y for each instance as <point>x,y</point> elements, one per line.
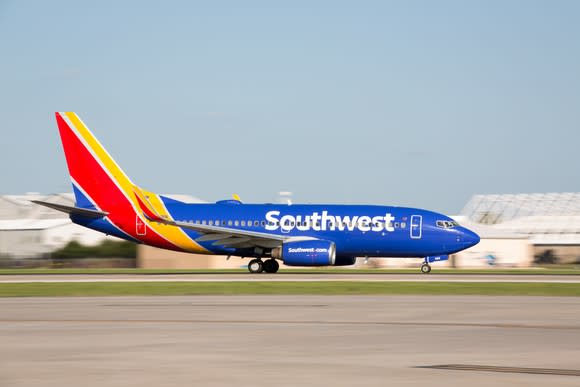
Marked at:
<point>290,341</point>
<point>287,277</point>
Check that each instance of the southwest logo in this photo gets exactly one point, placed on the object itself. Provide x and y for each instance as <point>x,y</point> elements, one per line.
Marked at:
<point>324,221</point>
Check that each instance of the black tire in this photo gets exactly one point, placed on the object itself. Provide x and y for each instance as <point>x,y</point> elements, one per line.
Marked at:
<point>268,266</point>
<point>256,266</point>
<point>271,266</point>
<point>425,268</point>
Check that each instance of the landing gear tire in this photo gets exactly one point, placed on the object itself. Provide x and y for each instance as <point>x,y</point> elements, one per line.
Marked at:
<point>271,266</point>
<point>256,266</point>
<point>425,268</point>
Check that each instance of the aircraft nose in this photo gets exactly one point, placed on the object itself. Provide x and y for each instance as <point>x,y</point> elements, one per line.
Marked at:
<point>469,237</point>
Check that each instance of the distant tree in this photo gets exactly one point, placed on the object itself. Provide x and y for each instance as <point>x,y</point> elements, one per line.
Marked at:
<point>107,249</point>
<point>546,257</point>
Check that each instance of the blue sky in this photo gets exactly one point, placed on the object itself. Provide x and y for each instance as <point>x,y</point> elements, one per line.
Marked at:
<point>419,103</point>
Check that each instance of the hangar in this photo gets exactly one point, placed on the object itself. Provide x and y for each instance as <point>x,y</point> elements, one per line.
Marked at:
<point>31,231</point>
<point>550,221</point>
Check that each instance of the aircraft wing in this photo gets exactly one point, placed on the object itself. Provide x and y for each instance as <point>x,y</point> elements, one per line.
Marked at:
<point>222,236</point>
<point>230,237</point>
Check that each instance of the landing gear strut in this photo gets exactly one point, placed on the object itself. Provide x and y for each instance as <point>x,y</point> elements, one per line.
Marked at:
<point>425,267</point>
<point>256,266</point>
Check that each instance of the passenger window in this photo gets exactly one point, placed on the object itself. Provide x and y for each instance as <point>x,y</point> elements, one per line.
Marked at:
<point>243,223</point>
<point>211,222</point>
<point>263,223</point>
<point>203,222</point>
<point>403,224</point>
<point>236,223</point>
<point>396,224</point>
<point>229,222</point>
<point>223,222</point>
<point>256,223</point>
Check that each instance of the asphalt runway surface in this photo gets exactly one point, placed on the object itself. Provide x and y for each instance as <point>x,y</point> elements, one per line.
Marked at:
<point>286,277</point>
<point>290,341</point>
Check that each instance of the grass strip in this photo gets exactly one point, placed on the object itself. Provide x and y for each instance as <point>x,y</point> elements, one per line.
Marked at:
<point>89,289</point>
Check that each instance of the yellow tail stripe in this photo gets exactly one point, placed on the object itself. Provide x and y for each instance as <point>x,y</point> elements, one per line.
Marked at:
<point>173,234</point>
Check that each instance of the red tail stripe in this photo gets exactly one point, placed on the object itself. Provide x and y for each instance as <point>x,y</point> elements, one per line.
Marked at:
<point>89,174</point>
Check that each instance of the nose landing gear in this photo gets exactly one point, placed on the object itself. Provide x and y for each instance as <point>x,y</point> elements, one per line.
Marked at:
<point>425,268</point>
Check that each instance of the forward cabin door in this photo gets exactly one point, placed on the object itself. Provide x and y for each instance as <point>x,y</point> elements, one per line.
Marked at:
<point>416,226</point>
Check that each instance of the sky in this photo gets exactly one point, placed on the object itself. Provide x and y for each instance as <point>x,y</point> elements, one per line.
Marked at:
<point>414,103</point>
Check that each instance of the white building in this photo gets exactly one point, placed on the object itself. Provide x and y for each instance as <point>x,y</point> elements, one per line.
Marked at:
<point>28,230</point>
<point>551,221</point>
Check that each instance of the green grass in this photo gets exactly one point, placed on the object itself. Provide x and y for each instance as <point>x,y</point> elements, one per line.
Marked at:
<point>560,270</point>
<point>264,288</point>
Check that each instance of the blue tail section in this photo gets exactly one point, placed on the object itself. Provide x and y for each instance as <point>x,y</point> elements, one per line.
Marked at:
<point>82,200</point>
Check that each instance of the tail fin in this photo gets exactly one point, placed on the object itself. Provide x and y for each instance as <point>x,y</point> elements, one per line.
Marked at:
<point>100,185</point>
<point>98,181</point>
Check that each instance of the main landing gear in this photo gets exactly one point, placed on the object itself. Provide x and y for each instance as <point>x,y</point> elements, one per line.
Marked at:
<point>425,267</point>
<point>259,266</point>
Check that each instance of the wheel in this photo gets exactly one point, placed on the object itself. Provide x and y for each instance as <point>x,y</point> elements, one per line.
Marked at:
<point>256,266</point>
<point>425,268</point>
<point>271,266</point>
<point>268,266</point>
<point>276,266</point>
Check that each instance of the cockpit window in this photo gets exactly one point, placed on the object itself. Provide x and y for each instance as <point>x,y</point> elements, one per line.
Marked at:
<point>446,223</point>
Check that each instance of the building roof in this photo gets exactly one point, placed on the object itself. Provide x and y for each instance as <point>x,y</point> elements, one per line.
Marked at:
<point>488,232</point>
<point>546,218</point>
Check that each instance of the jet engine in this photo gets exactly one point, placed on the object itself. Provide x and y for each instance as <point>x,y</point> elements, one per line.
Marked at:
<point>306,253</point>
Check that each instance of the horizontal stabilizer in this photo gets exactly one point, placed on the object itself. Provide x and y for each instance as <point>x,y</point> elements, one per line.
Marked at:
<point>72,210</point>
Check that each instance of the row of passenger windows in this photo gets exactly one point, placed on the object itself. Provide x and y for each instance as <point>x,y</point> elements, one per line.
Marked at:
<point>256,223</point>
<point>242,223</point>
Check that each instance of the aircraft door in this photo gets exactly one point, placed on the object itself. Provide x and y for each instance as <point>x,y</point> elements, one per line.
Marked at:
<point>416,226</point>
<point>140,227</point>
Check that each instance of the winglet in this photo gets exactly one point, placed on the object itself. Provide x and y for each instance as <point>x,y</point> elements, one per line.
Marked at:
<point>146,207</point>
<point>236,197</point>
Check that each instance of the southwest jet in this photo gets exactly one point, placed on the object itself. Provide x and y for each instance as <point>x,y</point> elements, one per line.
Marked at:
<point>298,235</point>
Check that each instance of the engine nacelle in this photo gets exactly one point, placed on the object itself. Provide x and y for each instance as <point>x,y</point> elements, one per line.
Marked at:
<point>306,253</point>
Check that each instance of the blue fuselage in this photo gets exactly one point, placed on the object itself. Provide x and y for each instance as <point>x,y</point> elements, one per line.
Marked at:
<point>356,230</point>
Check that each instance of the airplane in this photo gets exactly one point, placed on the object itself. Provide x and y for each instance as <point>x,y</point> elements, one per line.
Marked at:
<point>108,201</point>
